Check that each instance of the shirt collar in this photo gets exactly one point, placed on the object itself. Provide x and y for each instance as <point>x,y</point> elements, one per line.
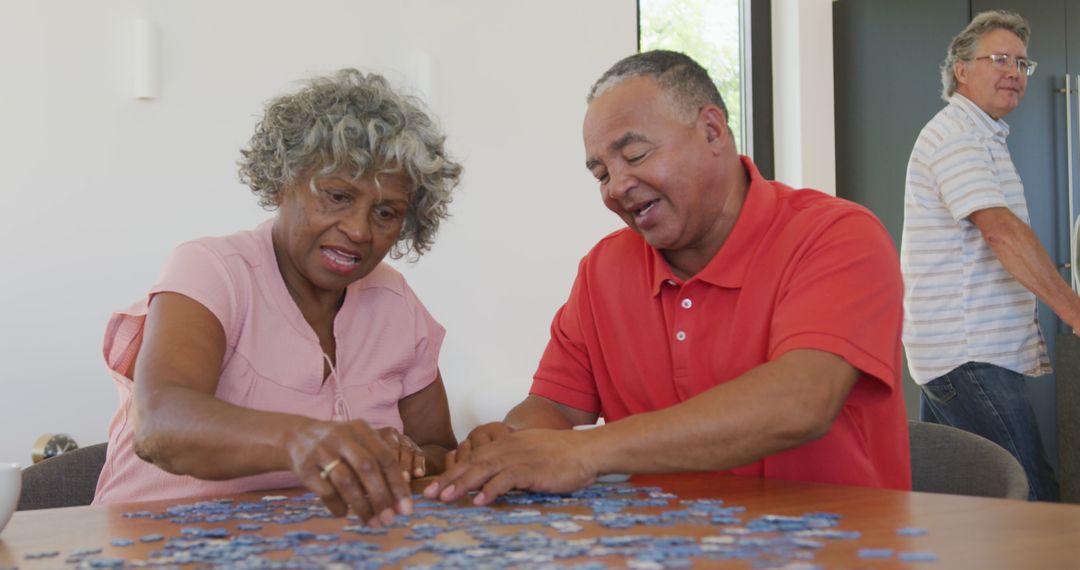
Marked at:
<point>728,267</point>
<point>982,121</point>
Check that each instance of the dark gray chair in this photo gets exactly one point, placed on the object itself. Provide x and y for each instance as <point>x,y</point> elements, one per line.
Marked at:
<point>945,459</point>
<point>67,480</point>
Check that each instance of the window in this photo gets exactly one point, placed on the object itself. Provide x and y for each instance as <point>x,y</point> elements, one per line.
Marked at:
<point>716,33</point>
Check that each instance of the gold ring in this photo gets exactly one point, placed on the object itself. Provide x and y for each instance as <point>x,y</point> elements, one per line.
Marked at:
<point>325,473</point>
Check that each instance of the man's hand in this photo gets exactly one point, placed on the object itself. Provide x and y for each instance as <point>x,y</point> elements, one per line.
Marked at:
<point>552,461</point>
<point>478,437</point>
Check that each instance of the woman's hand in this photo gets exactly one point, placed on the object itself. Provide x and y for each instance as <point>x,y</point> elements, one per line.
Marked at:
<point>425,417</point>
<point>410,457</point>
<point>349,464</point>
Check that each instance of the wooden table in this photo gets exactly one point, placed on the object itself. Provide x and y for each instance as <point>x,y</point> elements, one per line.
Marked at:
<point>964,532</point>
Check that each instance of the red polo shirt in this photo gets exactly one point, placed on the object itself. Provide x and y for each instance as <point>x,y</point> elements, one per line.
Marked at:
<point>800,269</point>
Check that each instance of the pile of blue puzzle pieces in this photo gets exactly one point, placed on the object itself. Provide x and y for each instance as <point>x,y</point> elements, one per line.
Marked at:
<point>766,542</point>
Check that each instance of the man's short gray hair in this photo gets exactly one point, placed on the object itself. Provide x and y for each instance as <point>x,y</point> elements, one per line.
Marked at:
<point>962,47</point>
<point>357,121</point>
<point>677,74</point>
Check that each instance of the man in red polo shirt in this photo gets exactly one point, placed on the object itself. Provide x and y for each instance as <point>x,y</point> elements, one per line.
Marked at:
<point>736,325</point>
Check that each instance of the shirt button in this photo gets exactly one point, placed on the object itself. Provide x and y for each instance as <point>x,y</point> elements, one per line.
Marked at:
<point>687,303</point>
<point>670,282</point>
<point>680,336</point>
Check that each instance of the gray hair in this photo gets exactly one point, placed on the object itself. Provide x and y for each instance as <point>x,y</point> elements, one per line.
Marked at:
<point>353,120</point>
<point>962,47</point>
<point>677,74</point>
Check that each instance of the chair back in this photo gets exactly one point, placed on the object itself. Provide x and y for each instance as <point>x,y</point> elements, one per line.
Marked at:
<point>67,480</point>
<point>945,459</point>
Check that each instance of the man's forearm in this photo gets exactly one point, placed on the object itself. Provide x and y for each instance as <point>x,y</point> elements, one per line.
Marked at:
<point>771,408</point>
<point>1023,256</point>
<point>538,412</point>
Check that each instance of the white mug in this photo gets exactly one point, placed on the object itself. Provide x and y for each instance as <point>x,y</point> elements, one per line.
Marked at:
<point>10,486</point>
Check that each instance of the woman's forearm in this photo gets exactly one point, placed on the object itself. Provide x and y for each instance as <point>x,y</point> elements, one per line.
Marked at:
<point>187,432</point>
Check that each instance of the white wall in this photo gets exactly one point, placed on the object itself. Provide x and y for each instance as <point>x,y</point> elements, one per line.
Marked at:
<point>804,131</point>
<point>100,186</point>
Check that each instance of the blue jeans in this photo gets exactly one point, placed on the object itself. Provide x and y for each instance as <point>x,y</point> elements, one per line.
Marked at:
<point>990,401</point>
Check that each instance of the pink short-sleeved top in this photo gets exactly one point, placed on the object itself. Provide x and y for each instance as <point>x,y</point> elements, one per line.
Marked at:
<point>387,348</point>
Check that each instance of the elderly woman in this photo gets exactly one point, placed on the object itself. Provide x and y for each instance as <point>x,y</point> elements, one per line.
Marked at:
<point>290,354</point>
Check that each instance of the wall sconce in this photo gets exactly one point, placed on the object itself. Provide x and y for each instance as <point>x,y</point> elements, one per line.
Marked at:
<point>146,59</point>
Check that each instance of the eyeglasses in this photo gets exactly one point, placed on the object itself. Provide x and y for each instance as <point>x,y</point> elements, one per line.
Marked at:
<point>1004,62</point>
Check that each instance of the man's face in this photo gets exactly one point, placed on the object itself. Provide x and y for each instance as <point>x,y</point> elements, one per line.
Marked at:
<point>997,91</point>
<point>656,170</point>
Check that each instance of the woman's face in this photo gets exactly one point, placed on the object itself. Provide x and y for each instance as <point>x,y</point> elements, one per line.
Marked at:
<point>327,239</point>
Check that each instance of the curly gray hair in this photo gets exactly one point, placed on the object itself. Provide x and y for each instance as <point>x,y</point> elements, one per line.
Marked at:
<point>962,47</point>
<point>354,120</point>
<point>676,73</point>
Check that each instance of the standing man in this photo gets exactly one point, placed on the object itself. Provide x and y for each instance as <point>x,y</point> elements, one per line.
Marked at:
<point>972,265</point>
<point>735,325</point>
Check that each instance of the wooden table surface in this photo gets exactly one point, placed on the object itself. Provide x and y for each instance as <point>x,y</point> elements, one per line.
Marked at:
<point>964,532</point>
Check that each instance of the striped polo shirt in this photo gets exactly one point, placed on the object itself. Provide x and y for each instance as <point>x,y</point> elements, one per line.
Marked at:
<point>960,304</point>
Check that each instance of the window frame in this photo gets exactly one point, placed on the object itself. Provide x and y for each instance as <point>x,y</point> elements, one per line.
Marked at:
<point>755,50</point>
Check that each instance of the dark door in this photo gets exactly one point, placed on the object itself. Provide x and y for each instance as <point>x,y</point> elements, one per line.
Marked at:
<point>1038,147</point>
<point>887,86</point>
